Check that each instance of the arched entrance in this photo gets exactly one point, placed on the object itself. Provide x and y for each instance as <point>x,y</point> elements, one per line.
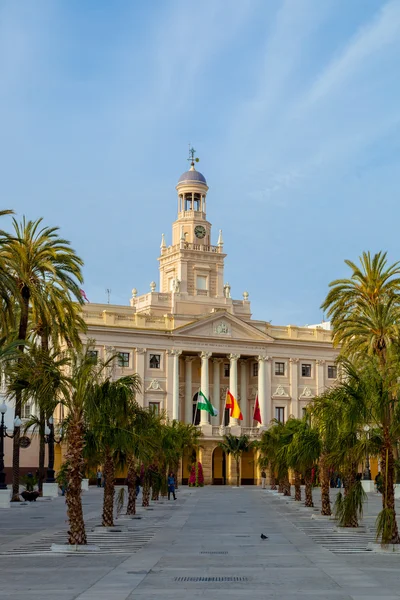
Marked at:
<point>248,467</point>
<point>218,467</point>
<point>187,461</point>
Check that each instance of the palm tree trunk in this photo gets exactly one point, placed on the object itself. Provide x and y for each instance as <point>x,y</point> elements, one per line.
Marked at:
<point>22,331</point>
<point>297,486</point>
<point>308,479</point>
<point>74,456</point>
<point>42,451</point>
<point>131,482</point>
<point>237,472</point>
<point>388,474</point>
<point>146,489</point>
<point>272,479</point>
<point>280,486</point>
<point>286,485</point>
<point>108,501</point>
<point>325,482</point>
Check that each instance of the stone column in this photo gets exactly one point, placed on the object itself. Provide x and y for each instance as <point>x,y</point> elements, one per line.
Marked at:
<point>205,457</point>
<point>204,385</point>
<point>188,389</point>
<point>175,386</point>
<point>169,403</point>
<point>140,355</point>
<point>320,364</point>
<point>233,387</point>
<point>243,391</point>
<point>216,389</point>
<point>264,388</point>
<point>294,386</point>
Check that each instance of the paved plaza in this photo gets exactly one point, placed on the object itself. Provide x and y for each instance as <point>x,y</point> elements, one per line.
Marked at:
<point>206,544</point>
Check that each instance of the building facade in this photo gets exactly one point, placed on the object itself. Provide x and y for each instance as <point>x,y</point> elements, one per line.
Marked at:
<point>191,334</point>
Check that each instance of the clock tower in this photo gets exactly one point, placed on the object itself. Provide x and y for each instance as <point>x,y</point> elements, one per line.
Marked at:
<point>192,265</point>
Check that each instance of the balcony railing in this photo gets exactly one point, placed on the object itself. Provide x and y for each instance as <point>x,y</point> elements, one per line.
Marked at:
<point>196,247</point>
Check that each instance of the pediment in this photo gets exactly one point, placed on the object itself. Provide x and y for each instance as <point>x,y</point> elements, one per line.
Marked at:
<point>223,325</point>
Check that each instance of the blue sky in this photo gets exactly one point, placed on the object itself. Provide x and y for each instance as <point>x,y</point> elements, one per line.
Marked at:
<point>292,105</point>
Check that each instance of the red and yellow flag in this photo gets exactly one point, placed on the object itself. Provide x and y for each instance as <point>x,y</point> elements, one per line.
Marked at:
<point>232,403</point>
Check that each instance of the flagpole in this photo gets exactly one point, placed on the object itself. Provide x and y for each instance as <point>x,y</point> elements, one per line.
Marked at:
<point>195,412</point>
<point>223,412</point>
<point>255,406</point>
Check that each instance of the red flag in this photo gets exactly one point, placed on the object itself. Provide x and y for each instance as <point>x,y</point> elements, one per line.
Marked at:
<point>257,412</point>
<point>84,295</point>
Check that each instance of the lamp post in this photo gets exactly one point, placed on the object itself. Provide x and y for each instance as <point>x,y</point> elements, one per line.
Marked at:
<point>4,434</point>
<point>367,470</point>
<point>51,440</point>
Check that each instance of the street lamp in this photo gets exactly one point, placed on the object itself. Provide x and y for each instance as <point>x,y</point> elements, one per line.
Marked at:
<point>4,434</point>
<point>51,440</point>
<point>367,470</point>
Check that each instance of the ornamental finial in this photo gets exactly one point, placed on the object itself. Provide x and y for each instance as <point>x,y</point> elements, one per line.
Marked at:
<point>191,158</point>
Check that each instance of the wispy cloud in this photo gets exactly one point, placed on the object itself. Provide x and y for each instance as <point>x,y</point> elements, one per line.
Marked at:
<point>372,39</point>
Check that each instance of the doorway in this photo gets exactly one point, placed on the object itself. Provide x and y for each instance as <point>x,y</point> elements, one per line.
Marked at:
<point>219,467</point>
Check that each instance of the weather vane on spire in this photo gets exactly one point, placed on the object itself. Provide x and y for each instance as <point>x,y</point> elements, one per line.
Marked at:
<point>191,158</point>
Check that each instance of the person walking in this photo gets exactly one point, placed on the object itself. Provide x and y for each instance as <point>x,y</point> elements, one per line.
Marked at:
<point>99,475</point>
<point>171,486</point>
<point>263,479</point>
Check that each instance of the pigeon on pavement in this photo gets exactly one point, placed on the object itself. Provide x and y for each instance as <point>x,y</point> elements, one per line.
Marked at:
<point>263,537</point>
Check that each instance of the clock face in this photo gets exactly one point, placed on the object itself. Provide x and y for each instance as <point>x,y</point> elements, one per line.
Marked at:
<point>199,231</point>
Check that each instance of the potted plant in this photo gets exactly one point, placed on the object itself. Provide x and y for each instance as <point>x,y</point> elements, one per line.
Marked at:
<point>29,481</point>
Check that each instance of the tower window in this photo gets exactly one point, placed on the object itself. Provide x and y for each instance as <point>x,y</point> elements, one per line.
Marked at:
<point>201,282</point>
<point>196,202</point>
<point>188,201</point>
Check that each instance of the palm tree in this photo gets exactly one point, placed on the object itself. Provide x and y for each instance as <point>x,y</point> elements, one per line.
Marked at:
<point>39,375</point>
<point>85,374</point>
<point>267,447</point>
<point>236,446</point>
<point>303,453</point>
<point>7,285</point>
<point>109,415</point>
<point>287,434</point>
<point>340,413</point>
<point>40,263</point>
<point>365,309</point>
<point>365,314</point>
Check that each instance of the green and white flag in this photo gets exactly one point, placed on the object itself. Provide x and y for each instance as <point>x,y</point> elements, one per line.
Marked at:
<point>204,404</point>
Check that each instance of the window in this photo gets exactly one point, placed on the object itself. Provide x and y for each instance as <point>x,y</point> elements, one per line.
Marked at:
<point>155,361</point>
<point>280,414</point>
<point>306,370</point>
<point>94,354</point>
<point>123,359</point>
<point>303,412</point>
<point>196,202</point>
<point>201,282</point>
<point>332,371</point>
<point>255,369</point>
<point>279,368</point>
<point>154,407</point>
<point>26,410</point>
<point>227,368</point>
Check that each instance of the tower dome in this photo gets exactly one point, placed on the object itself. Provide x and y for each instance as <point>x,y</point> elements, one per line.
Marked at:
<point>192,176</point>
